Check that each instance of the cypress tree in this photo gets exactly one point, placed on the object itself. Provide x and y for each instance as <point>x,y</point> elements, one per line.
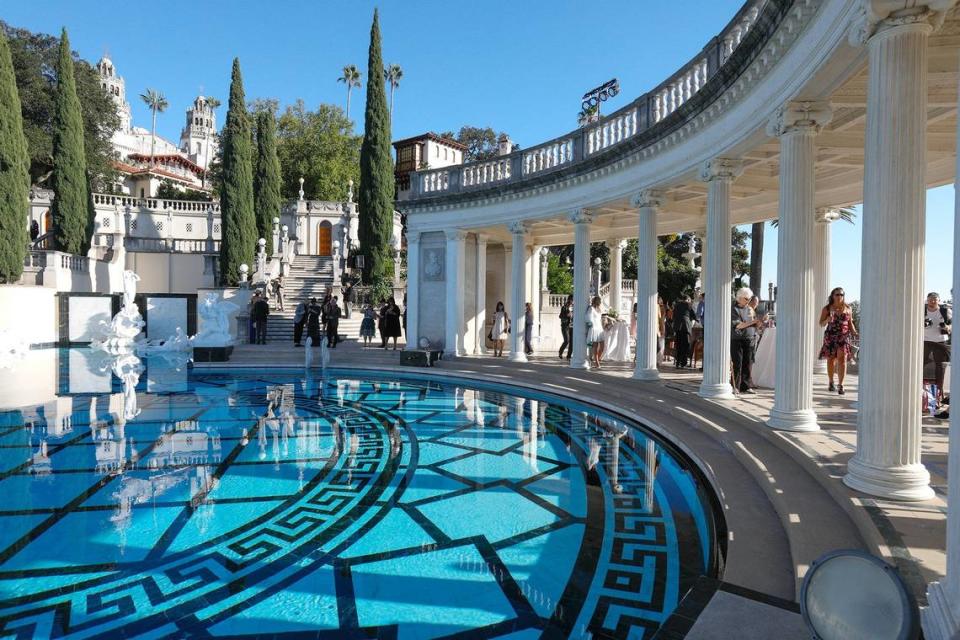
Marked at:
<point>239,227</point>
<point>72,213</point>
<point>266,182</point>
<point>376,169</point>
<point>14,172</point>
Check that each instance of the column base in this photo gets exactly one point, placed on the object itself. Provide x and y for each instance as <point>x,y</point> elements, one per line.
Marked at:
<point>575,364</point>
<point>648,375</point>
<point>802,420</point>
<point>518,356</point>
<point>941,619</point>
<point>721,391</point>
<point>908,482</point>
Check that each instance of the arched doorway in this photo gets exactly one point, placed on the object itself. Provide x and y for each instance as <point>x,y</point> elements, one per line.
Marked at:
<point>324,240</point>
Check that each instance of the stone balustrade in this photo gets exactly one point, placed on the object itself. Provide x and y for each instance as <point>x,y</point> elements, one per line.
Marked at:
<point>614,130</point>
<point>155,205</point>
<point>555,153</point>
<point>486,172</point>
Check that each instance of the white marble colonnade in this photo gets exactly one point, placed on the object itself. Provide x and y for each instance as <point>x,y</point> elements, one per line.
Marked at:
<point>887,461</point>
<point>796,125</point>
<point>822,220</point>
<point>647,202</point>
<point>519,293</point>
<point>454,333</point>
<point>718,173</point>
<point>581,220</point>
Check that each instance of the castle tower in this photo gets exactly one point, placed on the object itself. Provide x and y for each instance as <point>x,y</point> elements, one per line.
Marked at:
<point>198,138</point>
<point>114,85</point>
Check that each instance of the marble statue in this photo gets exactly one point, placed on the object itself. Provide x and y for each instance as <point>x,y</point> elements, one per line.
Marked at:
<point>128,367</point>
<point>178,342</point>
<point>120,334</point>
<point>214,322</point>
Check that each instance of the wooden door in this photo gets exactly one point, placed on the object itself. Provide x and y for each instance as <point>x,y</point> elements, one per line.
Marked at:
<point>324,235</point>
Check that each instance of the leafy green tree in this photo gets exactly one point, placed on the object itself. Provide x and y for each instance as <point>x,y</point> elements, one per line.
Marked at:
<point>72,204</point>
<point>351,78</point>
<point>239,226</point>
<point>481,143</point>
<point>376,170</point>
<point>158,104</point>
<point>266,182</point>
<point>35,57</point>
<point>392,75</point>
<point>14,175</point>
<point>167,190</point>
<point>320,147</point>
<point>559,275</point>
<point>756,256</point>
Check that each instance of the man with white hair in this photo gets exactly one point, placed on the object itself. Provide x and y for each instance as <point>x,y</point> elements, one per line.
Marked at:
<point>742,338</point>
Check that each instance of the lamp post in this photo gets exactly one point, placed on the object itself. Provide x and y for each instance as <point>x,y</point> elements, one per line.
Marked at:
<point>595,285</point>
<point>592,99</point>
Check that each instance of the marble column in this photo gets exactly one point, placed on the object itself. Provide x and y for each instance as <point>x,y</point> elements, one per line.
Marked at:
<point>941,618</point>
<point>533,293</point>
<point>647,202</point>
<point>507,294</point>
<point>719,174</point>
<point>519,278</point>
<point>581,220</point>
<point>616,272</point>
<point>453,342</point>
<point>887,462</point>
<point>480,321</point>
<point>413,289</point>
<point>796,124</point>
<point>821,276</point>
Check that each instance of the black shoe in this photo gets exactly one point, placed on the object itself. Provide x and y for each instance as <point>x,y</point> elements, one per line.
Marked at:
<point>840,391</point>
<point>831,387</point>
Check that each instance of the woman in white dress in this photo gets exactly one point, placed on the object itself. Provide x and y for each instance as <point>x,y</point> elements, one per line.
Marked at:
<point>501,327</point>
<point>595,331</point>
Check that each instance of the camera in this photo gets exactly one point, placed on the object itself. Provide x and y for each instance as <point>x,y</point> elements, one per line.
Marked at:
<point>927,322</point>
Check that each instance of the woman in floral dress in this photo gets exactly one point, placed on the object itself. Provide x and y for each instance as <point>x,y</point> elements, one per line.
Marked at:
<point>837,317</point>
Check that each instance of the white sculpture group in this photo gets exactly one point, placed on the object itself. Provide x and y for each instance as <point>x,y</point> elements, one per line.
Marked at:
<point>120,334</point>
<point>214,322</point>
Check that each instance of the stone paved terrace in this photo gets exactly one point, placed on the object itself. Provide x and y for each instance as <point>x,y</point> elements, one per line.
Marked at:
<point>782,494</point>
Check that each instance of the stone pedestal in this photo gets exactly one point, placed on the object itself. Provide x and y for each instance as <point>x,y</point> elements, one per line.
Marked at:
<point>887,461</point>
<point>796,124</point>
<point>647,203</point>
<point>718,173</point>
<point>518,270</point>
<point>453,340</point>
<point>581,220</point>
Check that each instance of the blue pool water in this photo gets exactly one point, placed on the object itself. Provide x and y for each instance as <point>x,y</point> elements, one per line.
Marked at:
<point>228,504</point>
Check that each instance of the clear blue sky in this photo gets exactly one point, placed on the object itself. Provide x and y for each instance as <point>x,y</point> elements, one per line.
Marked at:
<point>518,66</point>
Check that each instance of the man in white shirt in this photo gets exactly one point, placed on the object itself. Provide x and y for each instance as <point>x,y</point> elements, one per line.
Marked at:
<point>937,324</point>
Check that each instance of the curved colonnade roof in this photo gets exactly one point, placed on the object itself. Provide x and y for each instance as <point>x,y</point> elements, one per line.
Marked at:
<point>717,105</point>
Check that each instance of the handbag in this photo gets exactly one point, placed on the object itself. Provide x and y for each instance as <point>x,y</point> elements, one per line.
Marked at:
<point>490,335</point>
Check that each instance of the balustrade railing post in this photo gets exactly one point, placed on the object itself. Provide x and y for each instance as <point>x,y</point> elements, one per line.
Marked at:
<point>713,55</point>
<point>579,143</point>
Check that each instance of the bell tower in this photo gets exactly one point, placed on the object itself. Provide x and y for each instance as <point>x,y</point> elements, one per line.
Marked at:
<point>198,138</point>
<point>114,85</point>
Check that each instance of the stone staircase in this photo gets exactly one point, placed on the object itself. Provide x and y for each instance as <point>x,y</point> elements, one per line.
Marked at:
<point>309,277</point>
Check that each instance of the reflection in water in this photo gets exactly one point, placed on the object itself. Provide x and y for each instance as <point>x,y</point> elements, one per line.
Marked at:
<point>171,486</point>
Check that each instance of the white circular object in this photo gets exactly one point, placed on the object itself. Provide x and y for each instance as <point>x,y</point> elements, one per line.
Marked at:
<point>244,268</point>
<point>261,242</point>
<point>852,595</point>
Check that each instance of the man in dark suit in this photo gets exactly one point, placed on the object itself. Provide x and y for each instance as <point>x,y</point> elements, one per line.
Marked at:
<point>261,309</point>
<point>683,319</point>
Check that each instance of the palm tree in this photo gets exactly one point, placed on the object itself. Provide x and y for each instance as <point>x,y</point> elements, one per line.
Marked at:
<point>157,103</point>
<point>392,75</point>
<point>351,78</point>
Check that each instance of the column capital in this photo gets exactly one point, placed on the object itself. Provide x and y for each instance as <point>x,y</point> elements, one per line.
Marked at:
<point>721,169</point>
<point>455,234</point>
<point>580,216</point>
<point>879,16</point>
<point>800,117</point>
<point>826,215</point>
<point>483,238</point>
<point>519,227</point>
<point>647,199</point>
<point>413,237</point>
<point>616,243</point>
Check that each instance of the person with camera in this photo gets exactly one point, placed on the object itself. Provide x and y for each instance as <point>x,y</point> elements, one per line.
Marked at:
<point>937,325</point>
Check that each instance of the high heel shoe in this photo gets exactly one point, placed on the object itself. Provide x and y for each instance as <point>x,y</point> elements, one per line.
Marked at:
<point>840,389</point>
<point>831,387</point>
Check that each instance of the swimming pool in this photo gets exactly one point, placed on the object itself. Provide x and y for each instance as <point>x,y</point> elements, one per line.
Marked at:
<point>230,503</point>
